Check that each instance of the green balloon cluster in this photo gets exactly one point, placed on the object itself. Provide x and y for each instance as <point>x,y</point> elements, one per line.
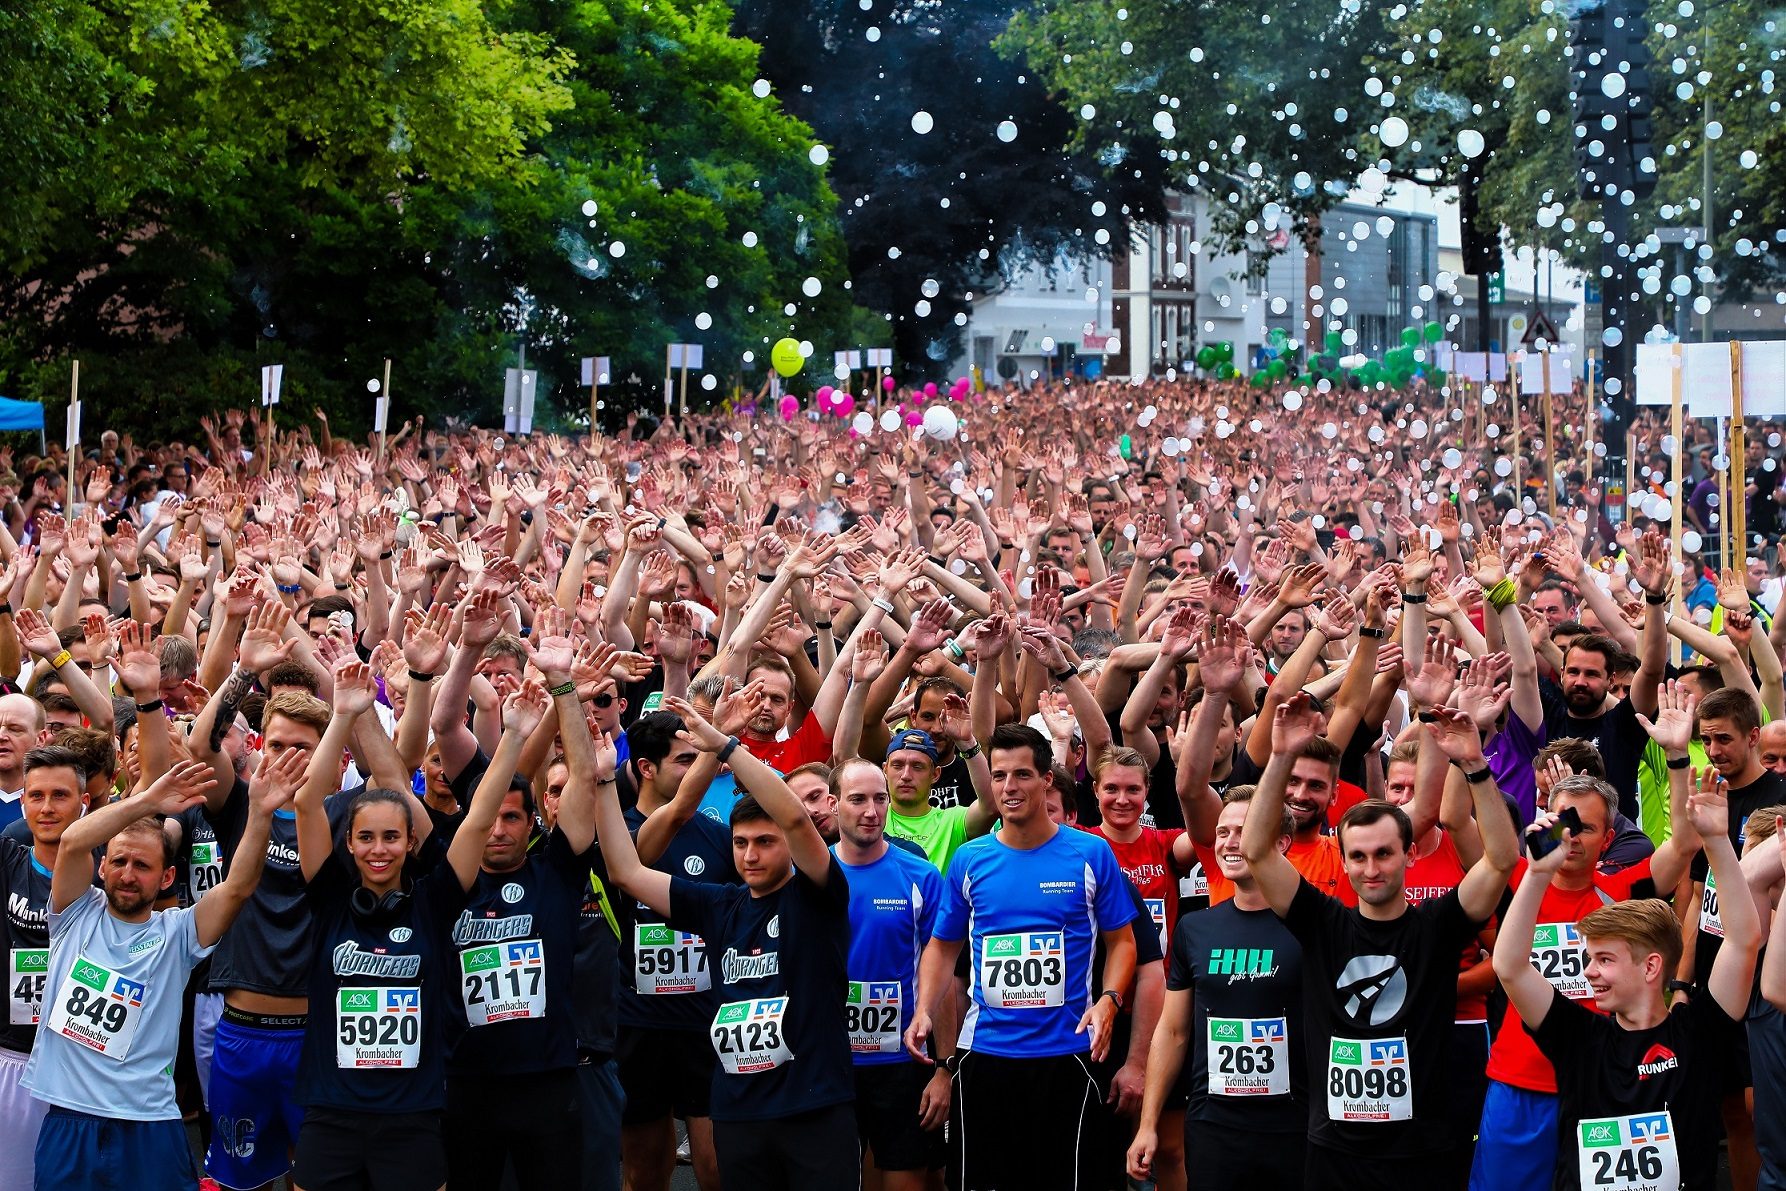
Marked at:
<point>1217,358</point>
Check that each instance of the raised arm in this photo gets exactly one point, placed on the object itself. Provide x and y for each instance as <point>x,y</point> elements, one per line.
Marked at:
<point>1733,972</point>
<point>1293,726</point>
<point>274,784</point>
<point>521,714</point>
<point>1219,666</point>
<point>1672,730</point>
<point>1530,993</point>
<point>178,789</point>
<point>1454,734</point>
<point>351,698</point>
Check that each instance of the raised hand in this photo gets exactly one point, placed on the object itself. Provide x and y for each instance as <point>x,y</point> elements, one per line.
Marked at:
<point>550,645</point>
<point>355,691</point>
<point>425,638</point>
<point>35,633</point>
<point>264,644</point>
<point>1294,725</point>
<point>696,729</point>
<point>182,787</point>
<point>1455,734</point>
<point>482,621</point>
<point>1480,695</point>
<point>1708,804</point>
<point>139,670</point>
<point>1430,678</point>
<point>1672,729</point>
<point>1221,660</point>
<point>1337,618</point>
<point>1652,568</point>
<point>1299,584</point>
<point>523,710</point>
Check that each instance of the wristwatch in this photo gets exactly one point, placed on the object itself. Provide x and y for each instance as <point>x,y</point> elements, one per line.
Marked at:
<point>1113,995</point>
<point>950,1063</point>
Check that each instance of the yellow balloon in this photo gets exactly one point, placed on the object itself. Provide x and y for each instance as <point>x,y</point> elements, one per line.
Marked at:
<point>786,357</point>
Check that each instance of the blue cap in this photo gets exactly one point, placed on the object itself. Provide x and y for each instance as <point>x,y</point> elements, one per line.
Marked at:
<point>915,739</point>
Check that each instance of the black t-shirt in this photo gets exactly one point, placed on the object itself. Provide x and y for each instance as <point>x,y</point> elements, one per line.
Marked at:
<point>1767,1059</point>
<point>381,992</point>
<point>596,993</point>
<point>516,944</point>
<point>1243,969</point>
<point>25,939</point>
<point>200,864</point>
<point>674,966</point>
<point>1605,1071</point>
<point>267,948</point>
<point>1767,790</point>
<point>1616,733</point>
<point>1163,810</point>
<point>781,1009</point>
<point>1378,999</point>
<point>953,786</point>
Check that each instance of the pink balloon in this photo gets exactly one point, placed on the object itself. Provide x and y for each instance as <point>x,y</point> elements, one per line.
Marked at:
<point>790,405</point>
<point>887,383</point>
<point>930,388</point>
<point>914,419</point>
<point>825,398</point>
<point>843,405</point>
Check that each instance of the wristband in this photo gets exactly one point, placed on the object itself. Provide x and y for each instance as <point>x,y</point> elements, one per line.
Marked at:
<point>1502,594</point>
<point>215,544</point>
<point>971,751</point>
<point>294,589</point>
<point>1374,634</point>
<point>1065,674</point>
<point>133,578</point>
<point>342,586</point>
<point>883,603</point>
<point>5,609</point>
<point>1428,717</point>
<point>822,624</point>
<point>1679,986</point>
<point>419,676</point>
<point>146,708</point>
<point>385,555</point>
<point>1413,597</point>
<point>1113,995</point>
<point>1680,762</point>
<point>1481,775</point>
<point>955,651</point>
<point>726,750</point>
<point>934,561</point>
<point>60,660</point>
<point>762,578</point>
<point>567,687</point>
<point>1654,600</point>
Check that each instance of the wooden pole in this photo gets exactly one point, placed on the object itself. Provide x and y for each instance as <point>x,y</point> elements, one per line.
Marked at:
<point>1722,443</point>
<point>1679,500</point>
<point>74,399</point>
<point>384,394</point>
<point>1550,444</point>
<point>1590,415</point>
<point>682,384</point>
<point>1739,465</point>
<point>668,351</point>
<point>1514,380</point>
<point>595,384</point>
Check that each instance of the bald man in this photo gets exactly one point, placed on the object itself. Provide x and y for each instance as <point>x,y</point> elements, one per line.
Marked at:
<point>21,730</point>
<point>1773,746</point>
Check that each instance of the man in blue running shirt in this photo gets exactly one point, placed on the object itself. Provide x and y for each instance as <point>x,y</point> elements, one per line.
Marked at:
<point>1036,899</point>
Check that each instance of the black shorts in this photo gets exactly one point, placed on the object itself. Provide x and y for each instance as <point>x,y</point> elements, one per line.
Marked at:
<point>811,1151</point>
<point>1336,1170</point>
<point>664,1073</point>
<point>348,1151</point>
<point>887,1096</point>
<point>1018,1124</point>
<point>1222,1156</point>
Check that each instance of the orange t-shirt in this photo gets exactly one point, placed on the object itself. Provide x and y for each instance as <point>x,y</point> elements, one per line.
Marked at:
<point>1319,862</point>
<point>1430,877</point>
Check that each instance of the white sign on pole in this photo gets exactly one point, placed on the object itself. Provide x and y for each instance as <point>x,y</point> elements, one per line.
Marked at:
<point>1764,378</point>
<point>511,400</point>
<point>685,355</point>
<point>271,376</point>
<point>595,371</point>
<point>880,357</point>
<point>1655,374</point>
<point>74,426</point>
<point>1705,379</point>
<point>528,389</point>
<point>381,414</point>
<point>849,361</point>
<point>1483,369</point>
<point>1531,373</point>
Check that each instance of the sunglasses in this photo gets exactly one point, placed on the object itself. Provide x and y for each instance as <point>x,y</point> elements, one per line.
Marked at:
<point>604,700</point>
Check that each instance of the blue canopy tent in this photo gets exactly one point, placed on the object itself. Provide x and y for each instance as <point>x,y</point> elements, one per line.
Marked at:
<point>22,415</point>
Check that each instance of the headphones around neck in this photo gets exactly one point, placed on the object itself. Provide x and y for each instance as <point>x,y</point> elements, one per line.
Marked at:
<point>369,907</point>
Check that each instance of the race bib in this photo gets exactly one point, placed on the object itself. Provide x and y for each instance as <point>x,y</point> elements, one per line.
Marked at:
<point>26,969</point>
<point>1709,922</point>
<point>378,1027</point>
<point>1561,957</point>
<point>1194,883</point>
<point>1249,1056</point>
<point>204,869</point>
<point>871,1015</point>
<point>748,1035</point>
<point>1156,908</point>
<point>1634,1153</point>
<point>1024,971</point>
<point>504,981</point>
<point>98,1008</point>
<point>667,961</point>
<point>1368,1080</point>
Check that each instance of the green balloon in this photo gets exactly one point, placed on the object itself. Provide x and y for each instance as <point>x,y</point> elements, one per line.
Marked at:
<point>1278,337</point>
<point>1411,336</point>
<point>1206,358</point>
<point>1402,377</point>
<point>1435,376</point>
<point>1307,378</point>
<point>786,357</point>
<point>1434,332</point>
<point>1127,447</point>
<point>1277,370</point>
<point>1225,350</point>
<point>1226,371</point>
<point>1261,380</point>
<point>1335,343</point>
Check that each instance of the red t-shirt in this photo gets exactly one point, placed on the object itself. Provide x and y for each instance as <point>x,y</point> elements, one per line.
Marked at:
<point>1345,797</point>
<point>1147,861</point>
<point>1431,877</point>
<point>809,743</point>
<point>1561,958</point>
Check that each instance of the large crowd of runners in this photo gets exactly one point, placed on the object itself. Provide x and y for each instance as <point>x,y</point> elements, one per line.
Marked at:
<point>1162,785</point>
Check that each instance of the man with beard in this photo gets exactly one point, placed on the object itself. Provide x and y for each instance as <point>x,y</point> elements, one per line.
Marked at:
<point>112,999</point>
<point>1380,978</point>
<point>1581,705</point>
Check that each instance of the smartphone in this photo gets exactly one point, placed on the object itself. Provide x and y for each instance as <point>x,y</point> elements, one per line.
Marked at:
<point>1541,843</point>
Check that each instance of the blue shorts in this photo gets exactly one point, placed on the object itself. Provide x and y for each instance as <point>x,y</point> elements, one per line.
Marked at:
<point>1517,1144</point>
<point>102,1154</point>
<point>254,1123</point>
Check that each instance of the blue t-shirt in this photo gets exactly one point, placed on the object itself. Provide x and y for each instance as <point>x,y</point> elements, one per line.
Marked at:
<point>893,906</point>
<point>1034,916</point>
<point>780,1020</point>
<point>111,1011</point>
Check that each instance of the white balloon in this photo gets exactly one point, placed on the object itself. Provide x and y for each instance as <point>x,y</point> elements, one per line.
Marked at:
<point>940,423</point>
<point>890,420</point>
<point>862,423</point>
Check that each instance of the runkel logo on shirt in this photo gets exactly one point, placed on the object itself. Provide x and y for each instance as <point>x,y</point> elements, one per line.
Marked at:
<point>735,967</point>
<point>351,961</point>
